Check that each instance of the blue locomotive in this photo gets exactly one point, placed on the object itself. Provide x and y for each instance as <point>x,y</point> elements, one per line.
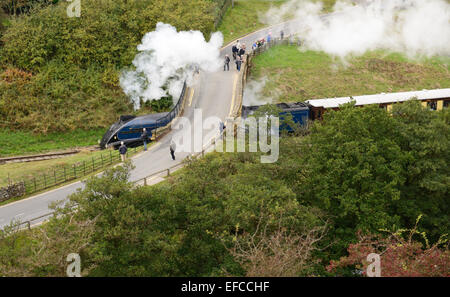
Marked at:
<point>130,128</point>
<point>300,112</point>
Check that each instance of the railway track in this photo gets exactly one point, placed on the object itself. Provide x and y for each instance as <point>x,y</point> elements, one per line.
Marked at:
<point>47,156</point>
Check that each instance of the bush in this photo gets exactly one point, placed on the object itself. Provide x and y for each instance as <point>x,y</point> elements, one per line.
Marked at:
<point>371,170</point>
<point>72,65</point>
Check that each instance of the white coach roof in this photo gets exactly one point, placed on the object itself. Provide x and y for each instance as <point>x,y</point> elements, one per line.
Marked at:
<point>381,98</point>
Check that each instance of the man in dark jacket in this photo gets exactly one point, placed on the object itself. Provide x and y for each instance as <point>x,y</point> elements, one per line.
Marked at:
<point>123,151</point>
<point>145,138</point>
<point>238,63</point>
<point>241,52</point>
<point>234,50</point>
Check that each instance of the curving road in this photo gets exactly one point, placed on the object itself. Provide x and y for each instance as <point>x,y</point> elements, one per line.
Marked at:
<point>213,94</point>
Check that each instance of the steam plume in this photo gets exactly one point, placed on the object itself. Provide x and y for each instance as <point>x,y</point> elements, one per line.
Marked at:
<point>167,58</point>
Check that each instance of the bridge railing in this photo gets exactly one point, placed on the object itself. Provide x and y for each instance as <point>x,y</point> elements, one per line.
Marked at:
<point>165,120</point>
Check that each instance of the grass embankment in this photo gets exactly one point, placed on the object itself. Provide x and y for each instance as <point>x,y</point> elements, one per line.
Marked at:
<point>63,75</point>
<point>23,143</point>
<point>244,17</point>
<point>299,76</point>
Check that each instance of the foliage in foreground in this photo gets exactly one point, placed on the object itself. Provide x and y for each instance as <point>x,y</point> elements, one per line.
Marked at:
<point>401,255</point>
<point>373,170</point>
<point>227,214</point>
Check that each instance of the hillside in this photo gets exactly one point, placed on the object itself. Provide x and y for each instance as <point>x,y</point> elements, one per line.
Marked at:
<point>296,75</point>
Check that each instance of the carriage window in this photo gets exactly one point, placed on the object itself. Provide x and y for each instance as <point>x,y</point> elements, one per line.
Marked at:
<point>432,105</point>
<point>446,103</point>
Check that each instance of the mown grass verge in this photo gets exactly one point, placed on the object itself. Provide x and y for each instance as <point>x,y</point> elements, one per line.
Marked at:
<point>23,143</point>
<point>295,75</point>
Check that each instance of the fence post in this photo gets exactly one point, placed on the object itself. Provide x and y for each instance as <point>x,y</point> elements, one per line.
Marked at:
<point>74,171</point>
<point>168,171</point>
<point>93,165</point>
<point>54,173</point>
<point>65,179</point>
<point>45,181</point>
<point>145,181</point>
<point>34,180</point>
<point>29,225</point>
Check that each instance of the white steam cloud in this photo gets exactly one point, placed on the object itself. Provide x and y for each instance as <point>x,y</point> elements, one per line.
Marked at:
<point>413,27</point>
<point>167,58</point>
<point>253,92</point>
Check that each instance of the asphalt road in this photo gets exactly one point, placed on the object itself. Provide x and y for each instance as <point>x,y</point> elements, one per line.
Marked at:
<point>213,94</point>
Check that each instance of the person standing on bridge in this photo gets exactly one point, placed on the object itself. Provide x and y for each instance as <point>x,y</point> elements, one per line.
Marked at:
<point>222,127</point>
<point>241,51</point>
<point>172,147</point>
<point>282,34</point>
<point>269,37</point>
<point>234,50</point>
<point>123,151</point>
<point>227,63</point>
<point>144,138</point>
<point>238,63</point>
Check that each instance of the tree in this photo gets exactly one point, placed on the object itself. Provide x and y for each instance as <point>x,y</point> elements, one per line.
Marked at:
<point>277,253</point>
<point>424,136</point>
<point>373,170</point>
<point>401,255</point>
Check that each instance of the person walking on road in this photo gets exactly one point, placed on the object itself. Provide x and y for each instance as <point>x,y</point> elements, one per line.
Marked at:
<point>227,63</point>
<point>144,138</point>
<point>222,127</point>
<point>123,151</point>
<point>172,147</point>
<point>238,63</point>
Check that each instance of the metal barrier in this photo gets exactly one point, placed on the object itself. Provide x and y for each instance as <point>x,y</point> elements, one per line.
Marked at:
<point>36,183</point>
<point>165,120</point>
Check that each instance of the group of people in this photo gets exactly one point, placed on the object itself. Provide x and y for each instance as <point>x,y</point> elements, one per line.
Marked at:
<point>145,137</point>
<point>238,51</point>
